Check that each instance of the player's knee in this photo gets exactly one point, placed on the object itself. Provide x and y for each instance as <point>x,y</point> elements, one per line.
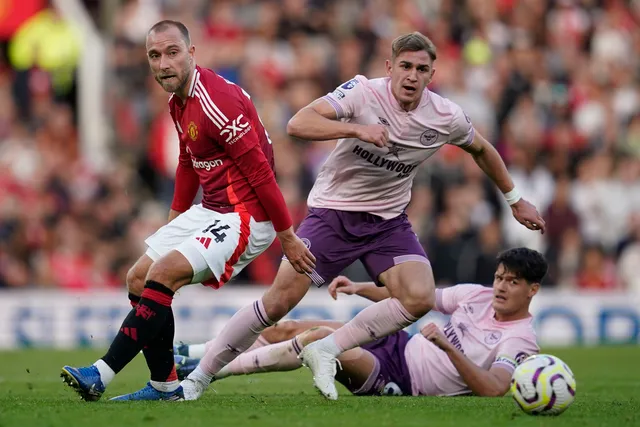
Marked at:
<point>172,270</point>
<point>314,334</point>
<point>283,295</point>
<point>276,308</point>
<point>419,300</point>
<point>281,331</point>
<point>135,280</point>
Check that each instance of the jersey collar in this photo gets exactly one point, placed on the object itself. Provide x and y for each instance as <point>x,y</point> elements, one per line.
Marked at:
<point>195,79</point>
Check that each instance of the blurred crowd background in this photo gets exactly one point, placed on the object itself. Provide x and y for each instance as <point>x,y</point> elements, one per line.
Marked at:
<point>553,84</point>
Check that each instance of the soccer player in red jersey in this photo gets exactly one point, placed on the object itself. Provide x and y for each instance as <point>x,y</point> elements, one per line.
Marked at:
<point>225,149</point>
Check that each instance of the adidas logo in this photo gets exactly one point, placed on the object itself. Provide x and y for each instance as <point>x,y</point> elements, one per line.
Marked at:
<point>130,332</point>
<point>206,241</point>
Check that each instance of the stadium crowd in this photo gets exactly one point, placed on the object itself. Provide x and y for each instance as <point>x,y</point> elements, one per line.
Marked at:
<point>554,84</point>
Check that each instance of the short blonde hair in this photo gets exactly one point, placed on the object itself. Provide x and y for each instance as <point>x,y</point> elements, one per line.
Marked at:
<point>413,42</point>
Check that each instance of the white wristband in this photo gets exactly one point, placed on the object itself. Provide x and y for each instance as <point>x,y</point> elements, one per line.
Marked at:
<point>512,196</point>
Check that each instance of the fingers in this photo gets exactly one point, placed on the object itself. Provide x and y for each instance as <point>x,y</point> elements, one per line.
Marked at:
<point>380,141</point>
<point>542,225</point>
<point>307,264</point>
<point>532,222</point>
<point>432,333</point>
<point>340,285</point>
<point>428,329</point>
<point>299,267</point>
<point>529,216</point>
<point>332,289</point>
<point>302,265</point>
<point>536,224</point>
<point>380,137</point>
<point>311,257</point>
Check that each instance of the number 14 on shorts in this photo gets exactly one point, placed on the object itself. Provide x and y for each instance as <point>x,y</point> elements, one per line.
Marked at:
<point>217,232</point>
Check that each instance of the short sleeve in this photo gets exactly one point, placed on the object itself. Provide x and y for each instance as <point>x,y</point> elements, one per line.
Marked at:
<point>462,131</point>
<point>514,351</point>
<point>448,299</point>
<point>348,99</point>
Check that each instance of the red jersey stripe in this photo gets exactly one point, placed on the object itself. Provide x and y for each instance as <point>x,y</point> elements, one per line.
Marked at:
<point>208,110</point>
<point>245,232</point>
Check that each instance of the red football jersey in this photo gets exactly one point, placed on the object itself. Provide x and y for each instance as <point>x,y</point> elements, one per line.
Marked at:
<point>217,124</point>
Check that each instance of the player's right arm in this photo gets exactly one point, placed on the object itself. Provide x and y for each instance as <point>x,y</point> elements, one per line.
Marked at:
<point>367,290</point>
<point>493,382</point>
<point>321,120</point>
<point>186,185</point>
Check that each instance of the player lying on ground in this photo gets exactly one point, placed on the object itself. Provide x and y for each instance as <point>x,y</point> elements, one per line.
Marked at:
<point>225,149</point>
<point>386,127</point>
<point>490,331</point>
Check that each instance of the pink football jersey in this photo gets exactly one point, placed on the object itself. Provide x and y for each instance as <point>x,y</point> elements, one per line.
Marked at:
<point>361,177</point>
<point>473,330</point>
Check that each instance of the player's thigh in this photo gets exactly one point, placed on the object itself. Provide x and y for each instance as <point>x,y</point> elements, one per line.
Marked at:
<point>137,275</point>
<point>333,254</point>
<point>173,270</point>
<point>205,240</point>
<point>412,284</point>
<point>334,251</point>
<point>174,233</point>
<point>357,366</point>
<point>400,263</point>
<point>252,243</point>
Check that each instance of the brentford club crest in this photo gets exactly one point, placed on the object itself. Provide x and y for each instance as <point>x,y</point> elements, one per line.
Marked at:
<point>306,242</point>
<point>192,130</point>
<point>429,137</point>
<point>492,337</point>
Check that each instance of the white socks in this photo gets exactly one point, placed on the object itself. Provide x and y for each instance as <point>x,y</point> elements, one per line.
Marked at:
<point>106,373</point>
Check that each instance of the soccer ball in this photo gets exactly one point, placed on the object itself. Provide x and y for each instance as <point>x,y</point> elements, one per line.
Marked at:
<point>543,385</point>
<point>391,389</point>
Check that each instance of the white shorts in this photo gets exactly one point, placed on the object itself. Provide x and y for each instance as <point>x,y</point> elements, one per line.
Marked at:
<point>217,245</point>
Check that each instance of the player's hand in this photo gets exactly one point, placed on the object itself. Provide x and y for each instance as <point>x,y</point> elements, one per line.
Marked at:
<point>342,285</point>
<point>377,135</point>
<point>299,256</point>
<point>433,334</point>
<point>528,215</point>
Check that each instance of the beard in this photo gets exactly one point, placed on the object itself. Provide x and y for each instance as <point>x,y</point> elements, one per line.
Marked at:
<point>173,84</point>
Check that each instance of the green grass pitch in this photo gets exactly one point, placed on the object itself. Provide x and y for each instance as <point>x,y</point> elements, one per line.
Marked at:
<point>32,394</point>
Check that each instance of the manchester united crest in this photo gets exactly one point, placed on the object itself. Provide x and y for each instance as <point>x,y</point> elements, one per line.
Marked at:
<point>192,130</point>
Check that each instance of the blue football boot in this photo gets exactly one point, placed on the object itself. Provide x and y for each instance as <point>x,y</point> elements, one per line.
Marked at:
<point>185,365</point>
<point>85,381</point>
<point>150,393</point>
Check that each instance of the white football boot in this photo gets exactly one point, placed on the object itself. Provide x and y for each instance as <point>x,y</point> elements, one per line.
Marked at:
<point>323,366</point>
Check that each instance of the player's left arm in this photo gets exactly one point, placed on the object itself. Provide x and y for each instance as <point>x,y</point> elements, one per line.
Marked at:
<point>489,160</point>
<point>493,382</point>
